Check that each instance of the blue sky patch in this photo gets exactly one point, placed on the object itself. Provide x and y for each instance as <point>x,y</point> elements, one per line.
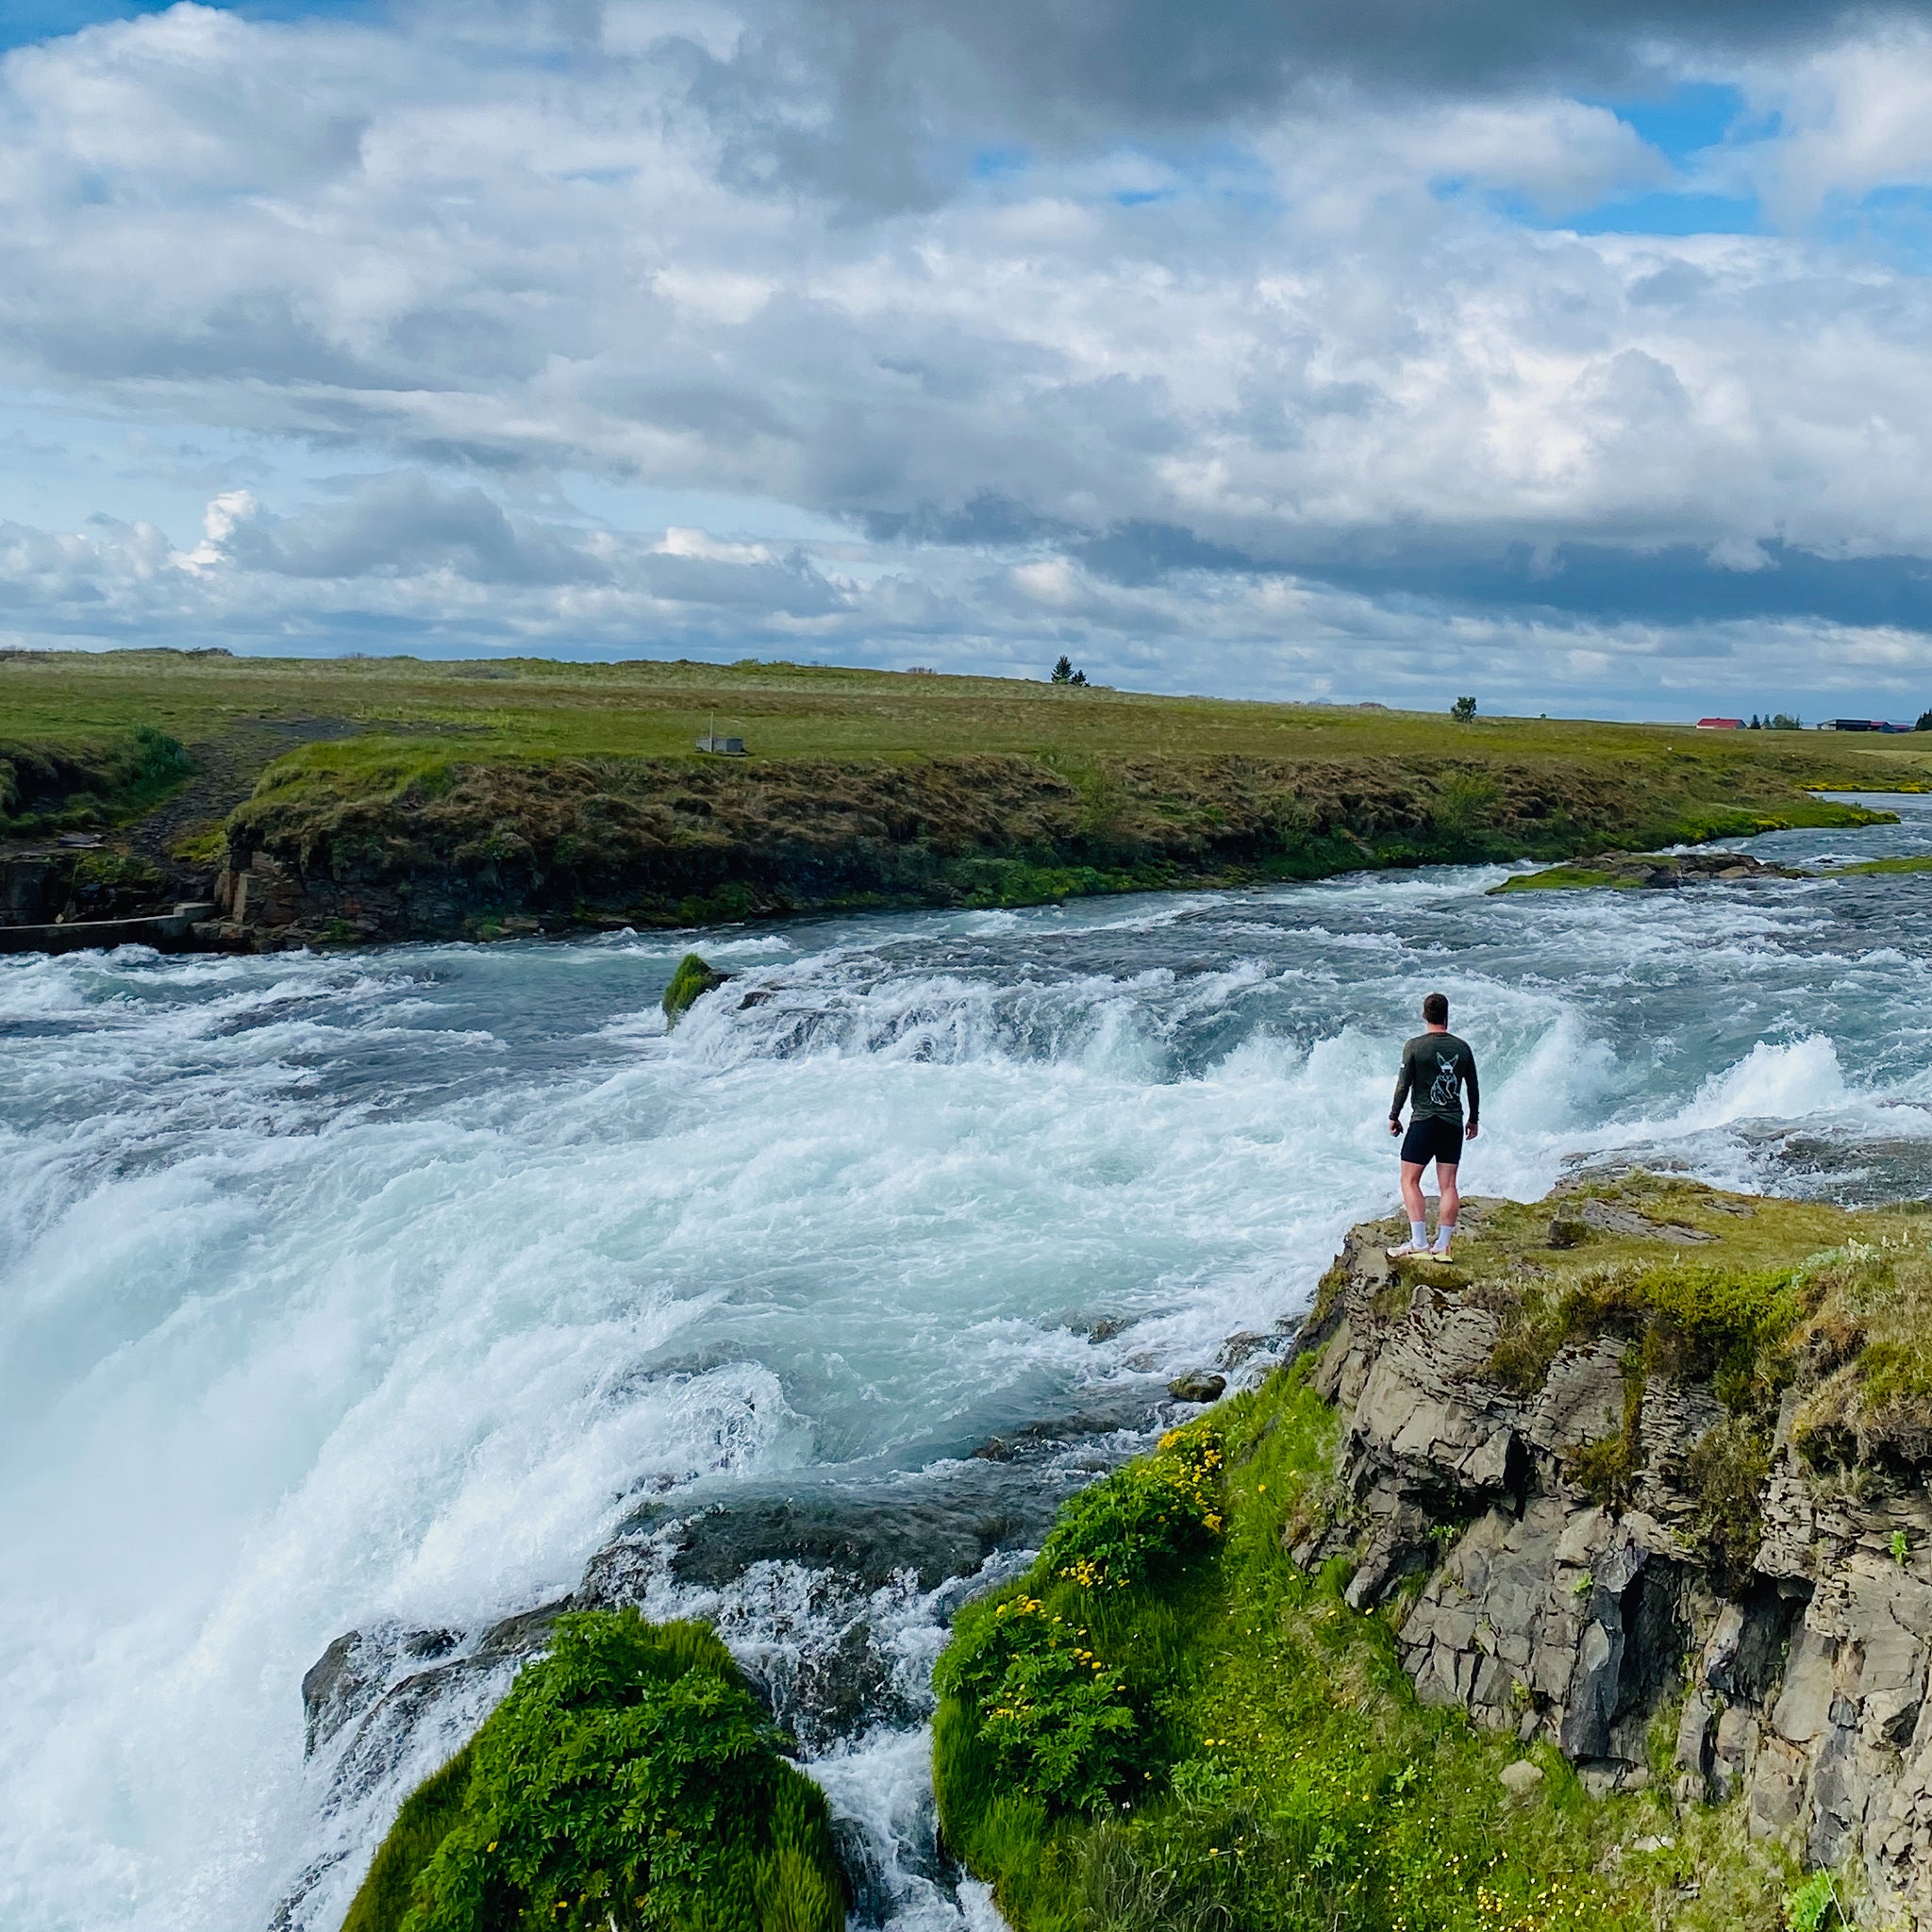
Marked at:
<point>1664,212</point>
<point>25,22</point>
<point>1693,117</point>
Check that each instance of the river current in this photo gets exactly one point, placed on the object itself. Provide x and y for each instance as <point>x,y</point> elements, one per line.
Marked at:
<point>376,1291</point>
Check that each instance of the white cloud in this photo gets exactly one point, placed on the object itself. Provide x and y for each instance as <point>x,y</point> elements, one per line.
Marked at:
<point>1853,116</point>
<point>1249,396</point>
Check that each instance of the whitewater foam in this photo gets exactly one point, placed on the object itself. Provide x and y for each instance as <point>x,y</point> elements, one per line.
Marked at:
<point>375,1293</point>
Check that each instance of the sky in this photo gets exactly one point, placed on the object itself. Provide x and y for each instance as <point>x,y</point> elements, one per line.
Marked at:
<point>1572,354</point>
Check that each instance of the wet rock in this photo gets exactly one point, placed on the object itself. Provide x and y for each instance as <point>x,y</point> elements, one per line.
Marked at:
<point>1198,1384</point>
<point>339,1685</point>
<point>1237,1348</point>
<point>695,977</point>
<point>521,1635</point>
<point>871,1540</point>
<point>868,1889</point>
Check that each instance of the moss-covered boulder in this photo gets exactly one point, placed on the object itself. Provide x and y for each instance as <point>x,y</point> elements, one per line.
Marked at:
<point>629,1780</point>
<point>1629,872</point>
<point>695,977</point>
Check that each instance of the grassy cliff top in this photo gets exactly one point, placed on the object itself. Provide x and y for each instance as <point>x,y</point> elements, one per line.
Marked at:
<point>1752,1293</point>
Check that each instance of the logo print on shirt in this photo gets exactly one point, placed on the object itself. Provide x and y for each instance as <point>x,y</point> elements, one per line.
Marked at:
<point>1446,1092</point>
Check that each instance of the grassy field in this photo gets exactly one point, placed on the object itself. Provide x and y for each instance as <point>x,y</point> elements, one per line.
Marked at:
<point>1166,1726</point>
<point>534,708</point>
<point>529,790</point>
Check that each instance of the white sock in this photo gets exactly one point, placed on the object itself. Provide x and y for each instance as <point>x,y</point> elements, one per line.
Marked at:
<point>1445,1233</point>
<point>1418,1234</point>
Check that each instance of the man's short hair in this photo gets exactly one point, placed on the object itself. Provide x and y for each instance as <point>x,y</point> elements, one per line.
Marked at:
<point>1436,1008</point>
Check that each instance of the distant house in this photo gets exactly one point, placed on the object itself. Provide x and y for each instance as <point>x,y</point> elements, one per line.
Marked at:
<point>1720,724</point>
<point>1860,724</point>
<point>722,747</point>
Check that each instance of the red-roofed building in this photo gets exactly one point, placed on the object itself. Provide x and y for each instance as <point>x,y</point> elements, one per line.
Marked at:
<point>1720,724</point>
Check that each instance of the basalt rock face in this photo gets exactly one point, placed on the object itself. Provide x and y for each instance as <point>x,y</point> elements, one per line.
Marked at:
<point>1798,1687</point>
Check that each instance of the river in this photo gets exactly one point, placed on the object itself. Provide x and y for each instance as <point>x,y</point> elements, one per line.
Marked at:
<point>378,1291</point>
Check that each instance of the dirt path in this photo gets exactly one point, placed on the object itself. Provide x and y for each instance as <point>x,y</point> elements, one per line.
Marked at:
<point>225,770</point>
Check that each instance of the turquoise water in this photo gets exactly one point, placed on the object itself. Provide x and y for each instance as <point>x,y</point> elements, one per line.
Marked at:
<point>342,1292</point>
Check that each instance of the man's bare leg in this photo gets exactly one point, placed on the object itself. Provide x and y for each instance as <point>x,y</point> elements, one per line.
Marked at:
<point>1417,1242</point>
<point>1447,1207</point>
<point>1412,1189</point>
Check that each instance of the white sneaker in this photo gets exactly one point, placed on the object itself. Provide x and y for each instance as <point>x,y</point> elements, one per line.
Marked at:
<point>1436,1253</point>
<point>1407,1251</point>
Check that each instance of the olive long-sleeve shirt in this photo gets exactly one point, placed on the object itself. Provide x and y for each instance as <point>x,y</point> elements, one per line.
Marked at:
<point>1436,1067</point>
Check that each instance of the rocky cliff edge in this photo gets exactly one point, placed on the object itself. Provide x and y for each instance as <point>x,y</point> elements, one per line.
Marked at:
<point>1647,1464</point>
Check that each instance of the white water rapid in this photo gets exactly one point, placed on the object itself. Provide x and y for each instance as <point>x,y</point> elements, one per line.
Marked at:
<point>376,1293</point>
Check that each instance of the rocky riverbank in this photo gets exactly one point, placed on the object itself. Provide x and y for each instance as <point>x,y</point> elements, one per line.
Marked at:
<point>347,801</point>
<point>1629,1541</point>
<point>517,847</point>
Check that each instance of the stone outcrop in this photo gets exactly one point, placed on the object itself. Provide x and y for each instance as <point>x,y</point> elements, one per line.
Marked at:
<point>1649,871</point>
<point>1604,1627</point>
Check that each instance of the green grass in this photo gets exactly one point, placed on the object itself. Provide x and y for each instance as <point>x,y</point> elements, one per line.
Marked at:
<point>1922,863</point>
<point>1282,1775</point>
<point>429,1814</point>
<point>1268,1765</point>
<point>1569,879</point>
<point>628,1780</point>
<point>79,781</point>
<point>574,793</point>
<point>423,715</point>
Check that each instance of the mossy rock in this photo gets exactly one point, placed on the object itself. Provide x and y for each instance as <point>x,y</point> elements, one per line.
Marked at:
<point>1568,878</point>
<point>629,1779</point>
<point>695,977</point>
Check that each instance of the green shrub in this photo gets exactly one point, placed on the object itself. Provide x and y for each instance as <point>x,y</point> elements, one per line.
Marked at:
<point>1814,1907</point>
<point>628,1781</point>
<point>1604,1470</point>
<point>1143,1520</point>
<point>1731,1325</point>
<point>1054,1719</point>
<point>1726,1473</point>
<point>160,761</point>
<point>117,869</point>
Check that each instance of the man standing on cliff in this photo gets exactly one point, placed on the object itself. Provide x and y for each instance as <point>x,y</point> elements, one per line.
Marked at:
<point>1436,1067</point>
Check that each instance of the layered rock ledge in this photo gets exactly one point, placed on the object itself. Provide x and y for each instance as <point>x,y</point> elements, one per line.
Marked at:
<point>1648,1457</point>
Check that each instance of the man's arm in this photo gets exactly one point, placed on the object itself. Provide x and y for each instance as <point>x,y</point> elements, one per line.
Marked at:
<point>1402,1085</point>
<point>1476,1096</point>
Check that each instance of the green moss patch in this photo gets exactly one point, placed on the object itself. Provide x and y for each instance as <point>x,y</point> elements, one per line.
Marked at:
<point>695,977</point>
<point>629,1780</point>
<point>1568,878</point>
<point>1922,863</point>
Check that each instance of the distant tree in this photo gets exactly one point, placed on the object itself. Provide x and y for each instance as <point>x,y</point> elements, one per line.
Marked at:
<point>1925,722</point>
<point>1755,724</point>
<point>1063,671</point>
<point>1463,709</point>
<point>1079,677</point>
<point>1783,721</point>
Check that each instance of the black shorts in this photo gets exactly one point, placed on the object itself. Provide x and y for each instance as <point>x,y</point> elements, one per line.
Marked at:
<point>1429,1138</point>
